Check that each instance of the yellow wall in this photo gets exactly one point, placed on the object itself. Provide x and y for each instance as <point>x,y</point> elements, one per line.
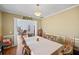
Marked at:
<point>65,23</point>
<point>7,23</point>
<point>0,23</point>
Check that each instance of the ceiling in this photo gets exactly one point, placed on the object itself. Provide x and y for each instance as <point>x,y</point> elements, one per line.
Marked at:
<point>29,9</point>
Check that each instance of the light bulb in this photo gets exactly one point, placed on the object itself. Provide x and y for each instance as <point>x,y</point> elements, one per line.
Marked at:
<point>37,13</point>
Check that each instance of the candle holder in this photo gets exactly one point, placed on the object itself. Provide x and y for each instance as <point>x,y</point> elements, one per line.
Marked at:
<point>37,39</point>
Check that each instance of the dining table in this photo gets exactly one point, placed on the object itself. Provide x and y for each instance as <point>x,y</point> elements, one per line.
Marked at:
<point>43,46</point>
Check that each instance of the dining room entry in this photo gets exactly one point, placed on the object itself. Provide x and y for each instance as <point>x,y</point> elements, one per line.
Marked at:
<point>21,24</point>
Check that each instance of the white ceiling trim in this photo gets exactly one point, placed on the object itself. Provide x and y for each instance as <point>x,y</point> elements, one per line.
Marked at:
<point>61,11</point>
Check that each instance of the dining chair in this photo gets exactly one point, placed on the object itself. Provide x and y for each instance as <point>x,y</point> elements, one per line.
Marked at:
<point>60,39</point>
<point>53,38</point>
<point>68,46</point>
<point>44,35</point>
<point>47,36</point>
<point>1,45</point>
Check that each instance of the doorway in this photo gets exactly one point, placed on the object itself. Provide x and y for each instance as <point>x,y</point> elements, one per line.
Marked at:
<point>20,24</point>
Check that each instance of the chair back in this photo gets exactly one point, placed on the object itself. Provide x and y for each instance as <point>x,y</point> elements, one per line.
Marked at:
<point>60,40</point>
<point>68,45</point>
<point>26,50</point>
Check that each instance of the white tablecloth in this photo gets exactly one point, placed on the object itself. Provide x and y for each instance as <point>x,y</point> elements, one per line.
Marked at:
<point>43,46</point>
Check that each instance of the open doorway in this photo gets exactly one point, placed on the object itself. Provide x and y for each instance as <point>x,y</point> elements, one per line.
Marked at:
<point>20,24</point>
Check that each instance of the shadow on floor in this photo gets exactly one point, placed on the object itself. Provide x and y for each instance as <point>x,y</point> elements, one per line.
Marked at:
<point>76,52</point>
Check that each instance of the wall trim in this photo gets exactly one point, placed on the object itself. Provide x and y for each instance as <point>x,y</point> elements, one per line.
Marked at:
<point>61,11</point>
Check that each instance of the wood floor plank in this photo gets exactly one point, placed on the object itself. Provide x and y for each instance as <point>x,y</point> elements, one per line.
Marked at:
<point>10,51</point>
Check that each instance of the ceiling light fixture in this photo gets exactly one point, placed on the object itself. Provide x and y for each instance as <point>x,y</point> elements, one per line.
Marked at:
<point>37,10</point>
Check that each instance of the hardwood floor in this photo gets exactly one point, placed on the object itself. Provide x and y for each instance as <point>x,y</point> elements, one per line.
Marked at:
<point>10,51</point>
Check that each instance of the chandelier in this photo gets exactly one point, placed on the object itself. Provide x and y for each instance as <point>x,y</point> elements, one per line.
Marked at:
<point>37,10</point>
